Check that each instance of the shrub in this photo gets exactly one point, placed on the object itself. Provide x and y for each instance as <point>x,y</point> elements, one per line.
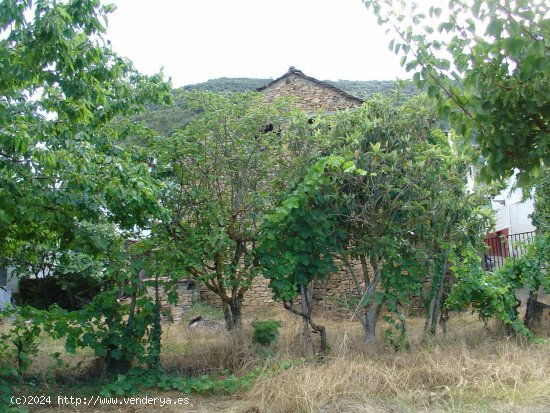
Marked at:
<point>265,332</point>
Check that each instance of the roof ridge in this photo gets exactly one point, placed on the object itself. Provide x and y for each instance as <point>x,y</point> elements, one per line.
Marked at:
<point>293,71</point>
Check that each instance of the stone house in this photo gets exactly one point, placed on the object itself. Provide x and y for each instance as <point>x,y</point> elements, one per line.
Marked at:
<point>313,95</point>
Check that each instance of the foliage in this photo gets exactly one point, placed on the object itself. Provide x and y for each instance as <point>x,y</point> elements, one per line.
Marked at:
<point>492,294</point>
<point>399,215</point>
<point>164,119</point>
<point>541,216</point>
<point>360,88</point>
<point>397,336</point>
<point>117,331</point>
<point>487,293</point>
<point>391,198</point>
<point>265,332</point>
<point>17,349</point>
<point>226,84</point>
<point>138,379</point>
<point>70,197</point>
<point>498,52</point>
<point>62,90</point>
<point>221,173</point>
<point>530,269</point>
<point>365,89</point>
<point>297,240</point>
<point>297,243</point>
<point>222,382</point>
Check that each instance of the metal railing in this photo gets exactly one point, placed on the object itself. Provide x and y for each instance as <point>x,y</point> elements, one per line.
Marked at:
<point>501,247</point>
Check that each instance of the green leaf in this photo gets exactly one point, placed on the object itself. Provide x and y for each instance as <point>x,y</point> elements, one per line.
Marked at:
<point>495,28</point>
<point>514,46</point>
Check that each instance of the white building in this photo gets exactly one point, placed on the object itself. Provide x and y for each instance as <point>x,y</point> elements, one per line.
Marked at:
<point>6,279</point>
<point>512,213</point>
<point>513,229</point>
<point>8,286</point>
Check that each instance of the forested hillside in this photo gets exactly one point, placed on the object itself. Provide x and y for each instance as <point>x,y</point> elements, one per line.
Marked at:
<point>358,88</point>
<point>167,119</point>
<point>229,84</point>
<point>363,89</point>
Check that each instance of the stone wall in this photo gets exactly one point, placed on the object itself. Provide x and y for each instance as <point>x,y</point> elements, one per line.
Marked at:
<point>330,296</point>
<point>313,95</point>
<point>333,296</point>
<point>188,293</point>
<point>258,298</point>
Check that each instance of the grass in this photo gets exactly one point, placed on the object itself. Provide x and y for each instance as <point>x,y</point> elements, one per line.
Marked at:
<point>473,369</point>
<point>452,377</point>
<point>205,310</point>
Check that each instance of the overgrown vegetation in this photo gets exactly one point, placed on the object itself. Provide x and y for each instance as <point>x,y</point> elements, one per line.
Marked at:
<point>222,173</point>
<point>390,186</point>
<point>266,332</point>
<point>474,369</point>
<point>242,188</point>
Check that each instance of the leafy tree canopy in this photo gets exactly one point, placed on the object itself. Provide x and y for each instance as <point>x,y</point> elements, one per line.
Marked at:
<point>499,53</point>
<point>221,173</point>
<point>390,202</point>
<point>69,195</point>
<point>62,94</point>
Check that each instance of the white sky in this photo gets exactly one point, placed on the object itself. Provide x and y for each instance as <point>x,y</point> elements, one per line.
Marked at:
<point>197,40</point>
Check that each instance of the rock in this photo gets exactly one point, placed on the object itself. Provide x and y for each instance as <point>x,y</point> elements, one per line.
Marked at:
<point>203,324</point>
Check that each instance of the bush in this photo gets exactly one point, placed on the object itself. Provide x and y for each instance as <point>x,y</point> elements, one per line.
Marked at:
<point>265,332</point>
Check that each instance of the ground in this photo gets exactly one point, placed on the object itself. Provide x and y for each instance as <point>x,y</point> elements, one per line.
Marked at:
<point>475,368</point>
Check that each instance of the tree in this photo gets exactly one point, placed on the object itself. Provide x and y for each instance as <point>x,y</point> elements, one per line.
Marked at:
<point>387,204</point>
<point>297,245</point>
<point>222,173</point>
<point>65,185</point>
<point>386,211</point>
<point>529,269</point>
<point>487,66</point>
<point>62,90</point>
<point>541,216</point>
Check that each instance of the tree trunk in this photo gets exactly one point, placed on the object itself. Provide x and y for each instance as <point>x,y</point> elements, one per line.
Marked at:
<point>321,330</point>
<point>372,311</point>
<point>322,334</point>
<point>530,310</point>
<point>437,301</point>
<point>369,326</point>
<point>232,312</point>
<point>305,313</point>
<point>155,347</point>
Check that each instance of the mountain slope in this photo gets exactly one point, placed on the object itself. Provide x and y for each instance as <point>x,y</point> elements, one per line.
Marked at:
<point>168,119</point>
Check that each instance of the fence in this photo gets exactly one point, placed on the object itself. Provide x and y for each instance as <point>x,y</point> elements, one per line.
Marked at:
<point>504,246</point>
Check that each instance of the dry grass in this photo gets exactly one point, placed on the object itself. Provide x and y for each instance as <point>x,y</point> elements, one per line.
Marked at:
<point>451,378</point>
<point>195,352</point>
<point>474,370</point>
